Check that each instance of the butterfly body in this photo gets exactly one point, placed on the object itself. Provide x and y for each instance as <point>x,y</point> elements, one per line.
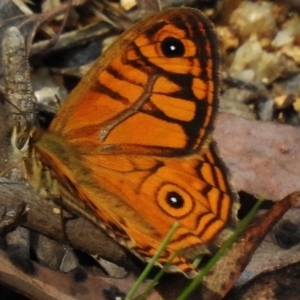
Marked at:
<point>131,147</point>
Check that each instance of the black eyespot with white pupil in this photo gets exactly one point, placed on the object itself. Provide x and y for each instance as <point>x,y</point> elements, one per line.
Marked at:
<point>172,47</point>
<point>174,199</point>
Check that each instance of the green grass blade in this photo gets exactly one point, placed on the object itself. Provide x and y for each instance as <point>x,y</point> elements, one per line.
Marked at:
<point>152,262</point>
<point>158,276</point>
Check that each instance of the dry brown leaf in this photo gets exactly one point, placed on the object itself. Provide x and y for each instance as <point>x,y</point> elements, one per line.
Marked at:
<point>263,158</point>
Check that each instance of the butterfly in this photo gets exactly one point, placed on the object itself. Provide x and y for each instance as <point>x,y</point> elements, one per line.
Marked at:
<point>131,147</point>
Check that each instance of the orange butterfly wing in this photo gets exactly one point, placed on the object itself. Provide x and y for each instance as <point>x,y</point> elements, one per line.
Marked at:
<point>131,144</point>
<point>137,100</point>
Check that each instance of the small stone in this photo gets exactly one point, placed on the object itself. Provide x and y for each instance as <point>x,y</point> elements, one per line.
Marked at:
<point>128,4</point>
<point>251,18</point>
<point>228,41</point>
<point>283,38</point>
<point>251,62</point>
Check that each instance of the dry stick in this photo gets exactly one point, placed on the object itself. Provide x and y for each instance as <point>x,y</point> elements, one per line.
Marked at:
<point>41,218</point>
<point>16,77</point>
<point>55,39</point>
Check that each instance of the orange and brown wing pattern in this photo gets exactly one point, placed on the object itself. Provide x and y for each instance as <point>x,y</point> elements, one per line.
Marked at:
<point>138,199</point>
<point>153,92</point>
<point>130,146</point>
<point>156,192</point>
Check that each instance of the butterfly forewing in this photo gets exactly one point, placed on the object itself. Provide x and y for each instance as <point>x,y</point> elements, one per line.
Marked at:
<point>153,92</point>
